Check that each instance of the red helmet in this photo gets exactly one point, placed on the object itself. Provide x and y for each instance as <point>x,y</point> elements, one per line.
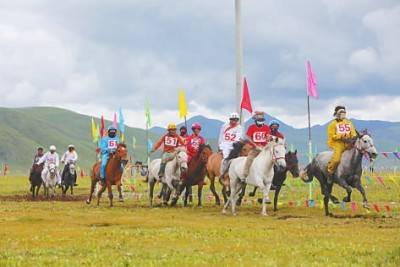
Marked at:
<point>196,125</point>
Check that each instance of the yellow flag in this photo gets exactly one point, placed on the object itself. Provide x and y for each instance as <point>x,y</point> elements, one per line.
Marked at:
<point>94,131</point>
<point>122,137</point>
<point>182,104</point>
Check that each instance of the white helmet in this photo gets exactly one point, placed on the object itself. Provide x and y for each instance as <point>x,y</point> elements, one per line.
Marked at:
<point>234,116</point>
<point>53,148</point>
<point>71,146</point>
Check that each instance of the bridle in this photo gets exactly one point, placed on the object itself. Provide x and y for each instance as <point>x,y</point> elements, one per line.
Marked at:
<point>274,158</point>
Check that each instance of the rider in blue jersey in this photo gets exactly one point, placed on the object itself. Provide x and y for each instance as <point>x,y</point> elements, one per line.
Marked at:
<point>108,145</point>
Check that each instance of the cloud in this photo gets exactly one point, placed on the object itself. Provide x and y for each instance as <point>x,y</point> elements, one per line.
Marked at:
<point>96,56</point>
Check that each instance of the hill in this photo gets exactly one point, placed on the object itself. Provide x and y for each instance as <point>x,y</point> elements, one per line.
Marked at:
<point>23,129</point>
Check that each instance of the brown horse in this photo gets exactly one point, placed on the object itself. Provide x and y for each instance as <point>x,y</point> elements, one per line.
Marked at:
<point>113,174</point>
<point>214,165</point>
<point>194,175</point>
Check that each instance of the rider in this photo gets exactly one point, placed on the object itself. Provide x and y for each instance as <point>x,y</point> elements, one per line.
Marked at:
<point>108,144</point>
<point>183,133</point>
<point>48,158</point>
<point>257,134</point>
<point>340,131</point>
<point>170,140</point>
<point>194,141</point>
<point>36,158</point>
<point>230,133</point>
<point>70,156</point>
<point>274,127</point>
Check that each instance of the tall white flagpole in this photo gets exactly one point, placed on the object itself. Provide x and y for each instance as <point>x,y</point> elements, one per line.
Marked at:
<point>239,55</point>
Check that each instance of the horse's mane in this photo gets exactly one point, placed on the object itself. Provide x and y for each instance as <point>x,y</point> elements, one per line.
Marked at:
<point>122,144</point>
<point>201,148</point>
<point>237,147</point>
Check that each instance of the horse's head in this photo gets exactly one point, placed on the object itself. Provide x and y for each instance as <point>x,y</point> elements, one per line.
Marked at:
<point>52,170</point>
<point>71,168</point>
<point>122,153</point>
<point>246,148</point>
<point>365,144</point>
<point>205,152</point>
<point>292,163</point>
<point>182,159</point>
<point>278,151</point>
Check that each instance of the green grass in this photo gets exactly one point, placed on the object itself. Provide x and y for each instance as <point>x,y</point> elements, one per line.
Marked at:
<point>71,233</point>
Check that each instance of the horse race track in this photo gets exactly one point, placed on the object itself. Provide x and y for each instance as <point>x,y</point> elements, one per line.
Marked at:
<point>67,232</point>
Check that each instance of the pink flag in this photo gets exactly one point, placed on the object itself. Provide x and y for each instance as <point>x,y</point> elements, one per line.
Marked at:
<point>246,101</point>
<point>115,123</point>
<point>311,82</point>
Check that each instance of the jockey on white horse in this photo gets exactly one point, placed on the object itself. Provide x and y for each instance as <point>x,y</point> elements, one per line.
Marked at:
<point>51,157</point>
<point>230,133</point>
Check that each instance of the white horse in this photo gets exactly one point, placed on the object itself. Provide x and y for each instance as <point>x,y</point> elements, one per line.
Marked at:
<point>49,177</point>
<point>261,172</point>
<point>172,176</point>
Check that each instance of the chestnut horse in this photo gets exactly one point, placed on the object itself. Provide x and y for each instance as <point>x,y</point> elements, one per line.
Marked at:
<point>241,149</point>
<point>194,175</point>
<point>113,174</point>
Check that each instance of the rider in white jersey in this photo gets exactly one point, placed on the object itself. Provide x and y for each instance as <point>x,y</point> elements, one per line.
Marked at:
<point>230,133</point>
<point>48,158</point>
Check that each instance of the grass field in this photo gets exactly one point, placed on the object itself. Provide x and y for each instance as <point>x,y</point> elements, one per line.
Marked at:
<point>67,232</point>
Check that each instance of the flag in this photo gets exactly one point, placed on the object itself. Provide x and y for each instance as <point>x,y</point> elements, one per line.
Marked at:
<point>380,180</point>
<point>397,154</point>
<point>385,154</point>
<point>246,101</point>
<point>115,123</point>
<point>148,114</point>
<point>121,121</point>
<point>95,135</point>
<point>134,142</point>
<point>182,104</point>
<point>311,82</point>
<point>122,137</point>
<point>149,144</point>
<point>102,127</point>
<point>353,206</point>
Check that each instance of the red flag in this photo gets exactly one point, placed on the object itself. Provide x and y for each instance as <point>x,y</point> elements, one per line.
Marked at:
<point>387,208</point>
<point>82,173</point>
<point>246,101</point>
<point>102,126</point>
<point>353,206</point>
<point>376,208</point>
<point>380,180</point>
<point>385,154</point>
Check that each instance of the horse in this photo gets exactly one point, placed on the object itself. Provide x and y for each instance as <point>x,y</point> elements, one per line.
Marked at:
<point>36,179</point>
<point>114,172</point>
<point>348,173</point>
<point>171,179</point>
<point>292,165</point>
<point>49,179</point>
<point>241,148</point>
<point>261,172</point>
<point>194,175</point>
<point>69,178</point>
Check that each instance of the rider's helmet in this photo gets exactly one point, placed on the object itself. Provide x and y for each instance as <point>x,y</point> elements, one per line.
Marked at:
<point>274,122</point>
<point>40,148</point>
<point>171,127</point>
<point>339,109</point>
<point>259,118</point>
<point>71,146</point>
<point>112,131</point>
<point>196,125</point>
<point>234,116</point>
<point>52,148</point>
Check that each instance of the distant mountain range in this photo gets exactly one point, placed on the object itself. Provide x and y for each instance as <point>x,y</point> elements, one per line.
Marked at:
<point>23,129</point>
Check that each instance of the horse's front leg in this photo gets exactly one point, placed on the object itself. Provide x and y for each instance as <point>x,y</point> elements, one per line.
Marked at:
<point>120,196</point>
<point>110,194</point>
<point>199,193</point>
<point>276,196</point>
<point>266,188</point>
<point>252,194</point>
<point>347,187</point>
<point>100,192</point>
<point>212,189</point>
<point>364,195</point>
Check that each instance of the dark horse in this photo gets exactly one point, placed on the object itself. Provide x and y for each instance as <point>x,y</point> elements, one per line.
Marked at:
<point>113,174</point>
<point>36,179</point>
<point>194,175</point>
<point>69,178</point>
<point>292,165</point>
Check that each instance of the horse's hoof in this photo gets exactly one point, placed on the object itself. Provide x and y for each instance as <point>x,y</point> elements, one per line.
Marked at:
<point>251,194</point>
<point>121,200</point>
<point>366,206</point>
<point>223,211</point>
<point>345,199</point>
<point>87,201</point>
<point>264,214</point>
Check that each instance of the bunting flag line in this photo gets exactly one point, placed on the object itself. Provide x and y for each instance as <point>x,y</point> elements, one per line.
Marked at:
<point>353,206</point>
<point>380,180</point>
<point>376,208</point>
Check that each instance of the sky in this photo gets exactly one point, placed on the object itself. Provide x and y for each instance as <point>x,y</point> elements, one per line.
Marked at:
<point>96,56</point>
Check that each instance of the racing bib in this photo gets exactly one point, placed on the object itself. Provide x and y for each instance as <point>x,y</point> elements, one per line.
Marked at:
<point>230,137</point>
<point>51,160</point>
<point>343,128</point>
<point>170,141</point>
<point>259,137</point>
<point>112,144</point>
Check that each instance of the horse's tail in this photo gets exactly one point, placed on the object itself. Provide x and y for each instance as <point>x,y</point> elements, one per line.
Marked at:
<point>306,174</point>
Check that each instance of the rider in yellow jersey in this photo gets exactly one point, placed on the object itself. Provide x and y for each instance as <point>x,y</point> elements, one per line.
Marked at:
<point>340,132</point>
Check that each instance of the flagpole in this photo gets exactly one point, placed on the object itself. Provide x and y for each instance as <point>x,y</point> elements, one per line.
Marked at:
<point>147,144</point>
<point>185,122</point>
<point>239,54</point>
<point>310,187</point>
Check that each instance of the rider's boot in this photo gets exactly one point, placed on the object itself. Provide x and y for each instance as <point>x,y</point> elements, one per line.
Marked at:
<point>162,170</point>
